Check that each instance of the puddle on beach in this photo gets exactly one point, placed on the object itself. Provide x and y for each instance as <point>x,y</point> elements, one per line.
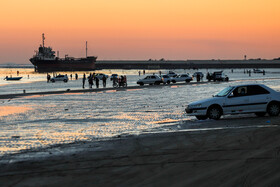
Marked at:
<point>8,110</point>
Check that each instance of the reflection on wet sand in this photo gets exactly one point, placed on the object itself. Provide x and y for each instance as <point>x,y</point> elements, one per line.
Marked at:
<point>8,110</point>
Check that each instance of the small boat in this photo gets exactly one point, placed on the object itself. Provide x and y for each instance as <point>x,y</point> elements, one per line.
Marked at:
<point>12,78</point>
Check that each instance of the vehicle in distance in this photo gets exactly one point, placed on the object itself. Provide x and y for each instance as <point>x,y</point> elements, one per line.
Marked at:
<point>172,74</point>
<point>217,76</point>
<point>114,76</point>
<point>181,78</point>
<point>258,71</point>
<point>150,79</point>
<point>63,78</point>
<point>165,79</point>
<point>253,98</point>
<point>100,76</point>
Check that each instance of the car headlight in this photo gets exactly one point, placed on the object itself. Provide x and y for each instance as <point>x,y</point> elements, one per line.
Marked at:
<point>195,106</point>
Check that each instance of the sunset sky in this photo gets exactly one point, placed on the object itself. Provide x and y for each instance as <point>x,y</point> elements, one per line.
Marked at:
<point>141,29</point>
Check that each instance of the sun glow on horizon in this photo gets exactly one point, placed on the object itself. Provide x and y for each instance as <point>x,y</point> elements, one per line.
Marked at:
<point>141,29</point>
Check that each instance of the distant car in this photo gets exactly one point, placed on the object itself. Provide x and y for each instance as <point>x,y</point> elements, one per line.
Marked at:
<point>252,98</point>
<point>114,76</point>
<point>150,79</point>
<point>181,78</point>
<point>217,76</point>
<point>165,79</point>
<point>100,76</point>
<point>172,74</point>
<point>198,73</point>
<point>63,78</point>
<point>258,71</point>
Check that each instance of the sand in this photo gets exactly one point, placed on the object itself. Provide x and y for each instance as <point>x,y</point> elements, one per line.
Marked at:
<point>244,153</point>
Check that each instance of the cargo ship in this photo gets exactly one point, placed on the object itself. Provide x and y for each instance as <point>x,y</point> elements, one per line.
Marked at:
<point>45,60</point>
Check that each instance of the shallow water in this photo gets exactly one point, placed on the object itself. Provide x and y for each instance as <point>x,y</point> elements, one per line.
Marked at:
<point>65,118</point>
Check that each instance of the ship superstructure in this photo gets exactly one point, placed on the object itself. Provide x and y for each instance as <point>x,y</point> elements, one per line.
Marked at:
<point>45,60</point>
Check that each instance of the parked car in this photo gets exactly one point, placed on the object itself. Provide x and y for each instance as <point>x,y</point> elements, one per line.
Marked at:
<point>165,79</point>
<point>181,78</point>
<point>114,76</point>
<point>253,98</point>
<point>258,71</point>
<point>100,76</point>
<point>63,78</point>
<point>150,79</point>
<point>172,74</point>
<point>217,76</point>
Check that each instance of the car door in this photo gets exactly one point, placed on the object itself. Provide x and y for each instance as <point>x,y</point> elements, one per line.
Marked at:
<point>238,101</point>
<point>259,97</point>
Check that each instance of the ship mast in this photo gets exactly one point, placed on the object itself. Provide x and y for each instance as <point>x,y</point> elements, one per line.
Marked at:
<point>43,38</point>
<point>86,49</point>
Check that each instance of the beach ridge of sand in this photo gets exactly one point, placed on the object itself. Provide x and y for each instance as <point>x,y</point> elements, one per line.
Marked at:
<point>224,157</point>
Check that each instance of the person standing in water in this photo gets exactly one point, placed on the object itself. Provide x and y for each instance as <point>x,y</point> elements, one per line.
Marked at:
<point>104,81</point>
<point>84,80</point>
<point>97,82</point>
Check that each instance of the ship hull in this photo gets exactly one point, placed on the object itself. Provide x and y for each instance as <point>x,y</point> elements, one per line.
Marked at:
<point>83,64</point>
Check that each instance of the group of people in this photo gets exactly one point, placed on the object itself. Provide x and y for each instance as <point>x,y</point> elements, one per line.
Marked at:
<point>91,78</point>
<point>119,81</point>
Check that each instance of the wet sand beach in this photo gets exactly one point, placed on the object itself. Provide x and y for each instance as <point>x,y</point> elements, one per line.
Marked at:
<point>229,152</point>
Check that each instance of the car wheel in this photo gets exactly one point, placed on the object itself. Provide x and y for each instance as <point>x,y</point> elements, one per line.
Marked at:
<point>201,117</point>
<point>168,82</point>
<point>214,112</point>
<point>187,80</point>
<point>53,80</point>
<point>173,81</point>
<point>260,114</point>
<point>273,109</point>
<point>141,84</point>
<point>65,80</point>
<point>157,83</point>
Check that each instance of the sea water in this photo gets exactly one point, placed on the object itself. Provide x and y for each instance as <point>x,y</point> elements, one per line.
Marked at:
<point>42,120</point>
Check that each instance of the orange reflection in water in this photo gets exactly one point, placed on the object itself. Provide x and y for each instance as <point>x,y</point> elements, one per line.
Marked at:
<point>165,121</point>
<point>7,110</point>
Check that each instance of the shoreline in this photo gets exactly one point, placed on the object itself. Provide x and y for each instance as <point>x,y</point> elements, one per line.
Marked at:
<point>241,155</point>
<point>86,90</point>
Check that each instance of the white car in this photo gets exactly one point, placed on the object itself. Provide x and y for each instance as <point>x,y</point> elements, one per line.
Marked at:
<point>253,98</point>
<point>150,79</point>
<point>182,78</point>
<point>63,78</point>
<point>100,76</point>
<point>165,79</point>
<point>172,74</point>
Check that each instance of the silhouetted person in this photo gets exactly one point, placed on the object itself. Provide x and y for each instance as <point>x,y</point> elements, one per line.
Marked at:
<point>97,82</point>
<point>263,72</point>
<point>90,81</point>
<point>104,81</point>
<point>143,72</point>
<point>71,76</point>
<point>139,73</point>
<point>76,76</point>
<point>84,80</point>
<point>197,77</point>
<point>208,77</point>
<point>48,78</point>
<point>249,73</point>
<point>17,72</point>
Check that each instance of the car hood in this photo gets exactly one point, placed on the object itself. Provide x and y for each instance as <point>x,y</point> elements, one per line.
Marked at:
<point>205,102</point>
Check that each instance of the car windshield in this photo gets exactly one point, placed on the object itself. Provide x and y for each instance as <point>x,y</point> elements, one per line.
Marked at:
<point>224,92</point>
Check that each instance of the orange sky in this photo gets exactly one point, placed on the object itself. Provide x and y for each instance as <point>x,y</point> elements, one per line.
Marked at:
<point>141,29</point>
